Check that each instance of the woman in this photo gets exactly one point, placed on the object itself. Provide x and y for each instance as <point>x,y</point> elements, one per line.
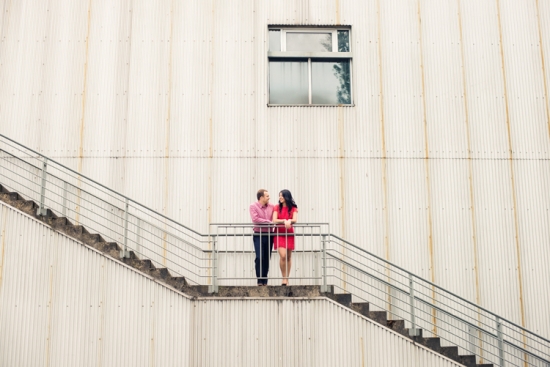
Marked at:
<point>285,213</point>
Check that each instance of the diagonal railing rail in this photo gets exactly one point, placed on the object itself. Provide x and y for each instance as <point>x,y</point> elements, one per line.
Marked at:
<point>223,256</point>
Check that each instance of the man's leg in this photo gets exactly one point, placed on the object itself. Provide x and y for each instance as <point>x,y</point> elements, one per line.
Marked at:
<point>257,260</point>
<point>266,254</point>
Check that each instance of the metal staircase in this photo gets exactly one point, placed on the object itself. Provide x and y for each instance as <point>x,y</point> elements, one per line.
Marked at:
<point>194,262</point>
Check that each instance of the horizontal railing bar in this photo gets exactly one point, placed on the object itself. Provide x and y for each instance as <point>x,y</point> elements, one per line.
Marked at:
<point>105,187</point>
<point>237,225</point>
<point>436,286</point>
<point>104,209</point>
<point>434,307</point>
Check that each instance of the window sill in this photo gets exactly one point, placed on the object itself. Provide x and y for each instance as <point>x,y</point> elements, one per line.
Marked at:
<point>310,105</point>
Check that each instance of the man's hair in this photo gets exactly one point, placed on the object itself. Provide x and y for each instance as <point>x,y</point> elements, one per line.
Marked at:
<point>260,193</point>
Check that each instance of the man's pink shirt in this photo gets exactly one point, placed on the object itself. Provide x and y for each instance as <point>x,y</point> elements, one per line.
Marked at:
<point>261,214</point>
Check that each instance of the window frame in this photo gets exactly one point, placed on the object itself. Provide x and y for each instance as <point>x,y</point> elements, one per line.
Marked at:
<point>308,56</point>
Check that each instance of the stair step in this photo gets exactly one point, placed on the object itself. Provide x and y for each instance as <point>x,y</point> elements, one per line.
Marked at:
<point>450,352</point>
<point>380,317</point>
<point>12,196</point>
<point>141,265</point>
<point>432,343</point>
<point>361,307</point>
<point>26,205</point>
<point>177,282</point>
<point>160,273</point>
<point>468,360</point>
<point>342,298</point>
<point>60,222</point>
<point>398,326</point>
<point>91,239</point>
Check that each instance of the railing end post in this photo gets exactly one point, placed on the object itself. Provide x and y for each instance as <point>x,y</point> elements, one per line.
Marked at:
<point>42,212</point>
<point>414,332</point>
<point>213,289</point>
<point>124,254</point>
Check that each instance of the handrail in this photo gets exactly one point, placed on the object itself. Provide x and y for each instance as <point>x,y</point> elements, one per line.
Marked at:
<point>105,187</point>
<point>437,286</point>
<point>160,237</point>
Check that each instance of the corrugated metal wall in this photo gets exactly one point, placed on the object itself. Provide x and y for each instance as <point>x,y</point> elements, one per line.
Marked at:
<point>64,304</point>
<point>442,166</point>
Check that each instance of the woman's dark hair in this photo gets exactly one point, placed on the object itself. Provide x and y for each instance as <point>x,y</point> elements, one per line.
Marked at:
<point>290,204</point>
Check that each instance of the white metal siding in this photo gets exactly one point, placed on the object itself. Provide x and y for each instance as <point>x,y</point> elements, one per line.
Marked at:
<point>63,304</point>
<point>167,102</point>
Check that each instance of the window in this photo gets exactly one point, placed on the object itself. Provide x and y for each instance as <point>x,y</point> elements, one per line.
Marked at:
<point>309,66</point>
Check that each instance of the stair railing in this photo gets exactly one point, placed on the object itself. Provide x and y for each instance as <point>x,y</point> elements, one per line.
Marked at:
<point>139,230</point>
<point>328,261</point>
<point>436,311</point>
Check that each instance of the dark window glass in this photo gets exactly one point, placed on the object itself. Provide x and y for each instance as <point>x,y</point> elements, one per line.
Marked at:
<point>330,82</point>
<point>343,41</point>
<point>288,82</point>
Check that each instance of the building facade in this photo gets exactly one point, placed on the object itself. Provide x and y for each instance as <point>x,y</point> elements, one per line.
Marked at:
<point>435,155</point>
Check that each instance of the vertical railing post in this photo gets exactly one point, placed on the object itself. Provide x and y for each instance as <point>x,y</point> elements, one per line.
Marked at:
<point>42,208</point>
<point>125,253</point>
<point>214,287</point>
<point>413,331</point>
<point>500,341</point>
<point>324,286</point>
<point>472,341</point>
<point>64,209</point>
<point>138,236</point>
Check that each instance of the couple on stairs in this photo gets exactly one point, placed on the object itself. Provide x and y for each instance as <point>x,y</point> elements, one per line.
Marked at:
<point>264,215</point>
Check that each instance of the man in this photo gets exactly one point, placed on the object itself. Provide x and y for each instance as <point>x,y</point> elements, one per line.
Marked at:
<point>261,213</point>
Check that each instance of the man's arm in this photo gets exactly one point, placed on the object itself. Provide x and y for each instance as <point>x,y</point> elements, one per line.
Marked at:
<point>255,215</point>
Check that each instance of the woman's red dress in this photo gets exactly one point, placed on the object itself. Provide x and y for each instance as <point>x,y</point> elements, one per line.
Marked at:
<point>284,238</point>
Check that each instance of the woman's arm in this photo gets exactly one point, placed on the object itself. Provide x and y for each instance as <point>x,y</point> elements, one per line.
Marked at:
<point>294,218</point>
<point>275,218</point>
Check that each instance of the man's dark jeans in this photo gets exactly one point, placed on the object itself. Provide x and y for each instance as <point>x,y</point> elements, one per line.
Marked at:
<point>263,245</point>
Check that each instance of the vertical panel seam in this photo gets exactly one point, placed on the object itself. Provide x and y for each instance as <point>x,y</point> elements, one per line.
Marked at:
<point>470,167</point>
<point>543,62</point>
<point>383,141</point>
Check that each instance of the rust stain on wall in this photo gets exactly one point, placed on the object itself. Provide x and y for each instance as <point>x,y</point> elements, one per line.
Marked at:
<point>427,164</point>
<point>470,174</point>
<point>338,12</point>
<point>543,62</point>
<point>384,162</point>
<point>512,173</point>
<point>82,120</point>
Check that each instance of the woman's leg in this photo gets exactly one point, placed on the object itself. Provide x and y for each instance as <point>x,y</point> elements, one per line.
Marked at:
<point>288,263</point>
<point>283,263</point>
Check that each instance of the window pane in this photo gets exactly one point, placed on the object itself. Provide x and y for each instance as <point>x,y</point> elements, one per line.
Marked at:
<point>309,42</point>
<point>343,41</point>
<point>274,40</point>
<point>330,82</point>
<point>288,82</point>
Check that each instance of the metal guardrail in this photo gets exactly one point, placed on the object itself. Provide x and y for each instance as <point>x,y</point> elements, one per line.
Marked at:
<point>224,256</point>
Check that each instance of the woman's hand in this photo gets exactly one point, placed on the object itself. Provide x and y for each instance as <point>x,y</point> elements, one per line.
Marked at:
<point>288,224</point>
